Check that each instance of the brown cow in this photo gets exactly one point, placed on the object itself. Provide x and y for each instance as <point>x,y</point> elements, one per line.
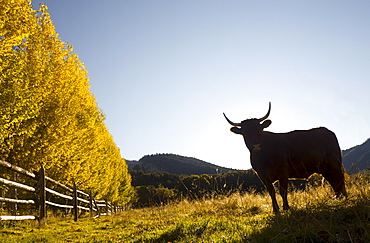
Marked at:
<point>296,154</point>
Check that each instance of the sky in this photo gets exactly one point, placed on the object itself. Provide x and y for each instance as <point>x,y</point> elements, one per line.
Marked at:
<point>164,71</point>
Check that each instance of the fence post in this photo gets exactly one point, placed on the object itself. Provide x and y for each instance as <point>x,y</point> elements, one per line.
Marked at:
<point>14,194</point>
<point>2,195</point>
<point>75,202</point>
<point>97,207</point>
<point>42,193</point>
<point>91,204</point>
<point>107,206</point>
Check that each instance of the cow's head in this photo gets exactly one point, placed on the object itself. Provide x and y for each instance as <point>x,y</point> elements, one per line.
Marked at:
<point>251,130</point>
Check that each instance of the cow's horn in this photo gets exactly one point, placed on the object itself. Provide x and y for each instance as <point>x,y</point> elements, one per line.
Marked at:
<point>268,113</point>
<point>232,123</point>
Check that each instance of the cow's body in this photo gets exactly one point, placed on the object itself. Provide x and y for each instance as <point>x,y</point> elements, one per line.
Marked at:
<point>297,154</point>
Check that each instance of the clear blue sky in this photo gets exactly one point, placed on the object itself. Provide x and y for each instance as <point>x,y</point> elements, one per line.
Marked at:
<point>164,71</point>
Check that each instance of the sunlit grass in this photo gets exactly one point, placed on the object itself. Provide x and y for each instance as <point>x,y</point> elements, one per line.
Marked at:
<point>315,216</point>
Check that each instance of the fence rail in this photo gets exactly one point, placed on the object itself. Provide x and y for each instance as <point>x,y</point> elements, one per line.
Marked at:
<point>44,197</point>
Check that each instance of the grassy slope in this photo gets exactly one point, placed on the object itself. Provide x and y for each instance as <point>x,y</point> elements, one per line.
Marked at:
<point>315,217</point>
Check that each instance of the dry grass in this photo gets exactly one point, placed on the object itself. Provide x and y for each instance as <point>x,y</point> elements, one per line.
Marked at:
<point>315,216</point>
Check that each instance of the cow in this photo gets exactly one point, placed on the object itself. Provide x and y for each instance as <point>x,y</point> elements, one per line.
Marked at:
<point>296,154</point>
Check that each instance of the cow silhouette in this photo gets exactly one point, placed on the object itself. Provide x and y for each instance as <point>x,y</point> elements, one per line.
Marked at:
<point>296,154</point>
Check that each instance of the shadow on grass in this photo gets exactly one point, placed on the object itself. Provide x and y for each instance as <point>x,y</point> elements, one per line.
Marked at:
<point>336,224</point>
<point>181,231</point>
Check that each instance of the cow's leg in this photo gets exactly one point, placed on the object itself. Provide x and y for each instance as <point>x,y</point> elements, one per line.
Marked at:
<point>271,190</point>
<point>283,189</point>
<point>339,185</point>
<point>340,189</point>
<point>336,183</point>
<point>337,173</point>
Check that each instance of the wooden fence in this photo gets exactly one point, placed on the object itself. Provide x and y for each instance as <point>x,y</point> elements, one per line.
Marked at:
<point>39,193</point>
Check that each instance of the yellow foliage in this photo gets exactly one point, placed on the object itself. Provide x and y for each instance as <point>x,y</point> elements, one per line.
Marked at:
<point>48,116</point>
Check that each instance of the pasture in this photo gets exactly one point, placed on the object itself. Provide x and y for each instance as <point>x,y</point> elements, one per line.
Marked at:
<point>315,216</point>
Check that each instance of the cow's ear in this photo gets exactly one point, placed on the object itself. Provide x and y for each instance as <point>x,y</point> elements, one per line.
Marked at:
<point>266,123</point>
<point>236,130</point>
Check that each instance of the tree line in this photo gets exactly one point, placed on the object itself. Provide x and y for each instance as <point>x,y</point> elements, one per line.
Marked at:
<point>48,115</point>
<point>155,188</point>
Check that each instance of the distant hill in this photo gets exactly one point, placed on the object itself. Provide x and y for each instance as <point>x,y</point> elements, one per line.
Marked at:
<point>175,164</point>
<point>357,159</point>
<point>131,163</point>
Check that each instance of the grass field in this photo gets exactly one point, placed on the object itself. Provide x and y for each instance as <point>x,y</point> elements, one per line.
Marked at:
<point>315,217</point>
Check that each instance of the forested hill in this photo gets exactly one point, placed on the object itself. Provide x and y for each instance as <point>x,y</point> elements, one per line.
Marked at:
<point>357,158</point>
<point>175,164</point>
